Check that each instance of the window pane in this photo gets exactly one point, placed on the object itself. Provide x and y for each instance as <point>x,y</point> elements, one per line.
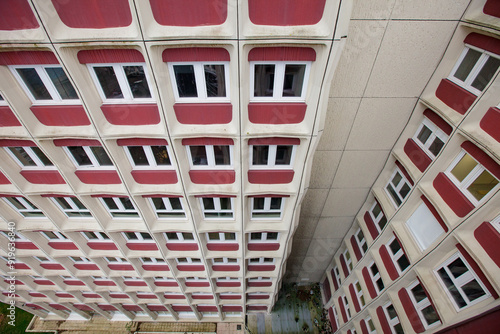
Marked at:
<point>109,83</point>
<point>62,202</point>
<point>215,80</point>
<point>405,189</point>
<point>436,146</point>
<point>110,203</point>
<point>90,235</point>
<point>80,156</point>
<point>161,155</point>
<point>78,204</point>
<point>395,247</point>
<point>481,186</point>
<point>137,81</point>
<point>158,203</point>
<point>199,155</point>
<point>15,202</point>
<point>272,235</point>
<point>101,156</point>
<point>62,83</point>
<point>380,284</point>
<point>138,155</point>
<point>284,154</point>
<point>467,64</point>
<point>213,236</point>
<point>258,203</point>
<point>451,288</point>
<point>294,79</point>
<point>463,167</point>
<point>146,236</point>
<point>256,236</point>
<point>457,268</point>
<point>473,290</point>
<point>276,203</point>
<point>376,210</point>
<point>186,82</point>
<point>403,262</point>
<point>176,203</point>
<point>34,83</point>
<point>230,236</point>
<point>225,203</point>
<point>22,156</point>
<point>396,179</point>
<point>208,203</point>
<point>172,236</point>
<point>382,222</point>
<point>43,158</point>
<point>394,195</point>
<point>221,153</point>
<point>424,134</point>
<point>391,311</point>
<point>264,80</point>
<point>484,76</point>
<point>131,236</point>
<point>127,204</point>
<point>260,154</point>
<point>430,315</point>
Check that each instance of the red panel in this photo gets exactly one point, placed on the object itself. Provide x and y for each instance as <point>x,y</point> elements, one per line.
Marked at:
<point>411,312</point>
<point>90,295</point>
<point>43,176</point>
<point>489,238</point>
<point>27,57</point>
<point>182,247</point>
<point>492,7</point>
<point>281,53</point>
<point>98,176</point>
<point>4,179</point>
<point>488,323</point>
<point>364,329</point>
<point>34,306</point>
<point>174,296</point>
<point>202,296</point>
<point>73,282</point>
<point>94,14</point>
<point>156,267</point>
<point>327,292</point>
<point>343,264</point>
<point>389,265</point>
<point>455,96</point>
<point>76,142</point>
<point>342,309</point>
<point>198,284</point>
<point>16,142</point>
<point>43,282</point>
<point>146,296</point>
<point>490,123</point>
<point>135,308</point>
<point>119,295</point>
<point>135,283</point>
<point>270,176</point>
<point>370,224</point>
<point>17,15</point>
<point>291,13</point>
<point>333,322</point>
<point>61,115</point>
<point>7,117</point>
<point>155,176</point>
<point>141,142</point>
<point>131,114</point>
<point>264,284</point>
<point>222,247</point>
<point>369,282</point>
<point>83,307</point>
<point>21,266</point>
<point>223,267</point>
<point>105,283</point>
<point>258,246</point>
<point>432,116</point>
<point>212,176</point>
<point>256,308</point>
<point>249,296</point>
<point>110,56</point>
<point>383,321</point>
<point>276,113</point>
<point>207,308</point>
<point>124,267</point>
<point>482,157</point>
<point>452,195</point>
<point>65,245</point>
<point>207,141</point>
<point>355,247</point>
<point>107,307</point>
<point>160,195</point>
<point>201,13</point>
<point>230,297</point>
<point>354,298</point>
<point>231,308</point>
<point>484,42</point>
<point>52,266</point>
<point>195,54</point>
<point>212,195</point>
<point>182,308</point>
<point>477,270</point>
<point>146,246</point>
<point>58,307</point>
<point>228,284</point>
<point>99,245</point>
<point>107,195</point>
<point>15,282</point>
<point>261,267</point>
<point>39,295</point>
<point>86,266</point>
<point>404,171</point>
<point>274,141</point>
<point>419,158</point>
<point>435,213</point>
<point>166,283</point>
<point>203,113</point>
<point>157,308</point>
<point>190,267</point>
<point>334,279</point>
<point>25,245</point>
<point>64,295</point>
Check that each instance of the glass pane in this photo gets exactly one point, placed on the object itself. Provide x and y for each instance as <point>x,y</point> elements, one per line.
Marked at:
<point>394,195</point>
<point>451,288</point>
<point>382,222</point>
<point>215,80</point>
<point>256,236</point>
<point>424,134</point>
<point>43,158</point>
<point>430,315</point>
<point>1,97</point>
<point>101,156</point>
<point>275,203</point>
<point>110,203</point>
<point>109,83</point>
<point>260,154</point>
<point>473,290</point>
<point>172,236</point>
<point>403,263</point>
<point>199,155</point>
<point>62,202</point>
<point>225,203</point>
<point>146,236</point>
<point>137,81</point>
<point>258,203</point>
<point>34,83</point>
<point>175,203</point>
<point>484,76</point>
<point>138,155</point>
<point>131,236</point>
<point>396,179</point>
<point>78,204</point>
<point>394,246</point>
<point>467,64</point>
<point>62,83</point>
<point>380,284</point>
<point>90,235</point>
<point>229,236</point>
<point>284,154</point>
<point>264,80</point>
<point>419,293</point>
<point>221,154</point>
<point>22,156</point>
<point>376,210</point>
<point>185,79</point>
<point>436,146</point>
<point>457,268</point>
<point>15,202</point>
<point>127,204</point>
<point>399,329</point>
<point>161,155</point>
<point>79,155</point>
<point>374,270</point>
<point>391,312</point>
<point>481,186</point>
<point>294,80</point>
<point>272,235</point>
<point>405,189</point>
<point>463,167</point>
<point>213,236</point>
<point>158,203</point>
<point>208,203</point>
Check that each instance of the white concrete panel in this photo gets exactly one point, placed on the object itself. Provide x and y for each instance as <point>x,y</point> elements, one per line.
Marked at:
<point>339,119</point>
<point>313,202</point>
<point>408,56</point>
<point>332,227</point>
<point>306,228</point>
<point>373,9</point>
<point>379,123</point>
<point>344,202</point>
<point>321,248</point>
<point>429,9</point>
<point>324,166</point>
<point>359,169</point>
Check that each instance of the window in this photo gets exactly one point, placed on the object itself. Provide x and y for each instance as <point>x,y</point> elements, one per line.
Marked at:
<point>95,236</point>
<point>89,156</point>
<point>424,226</point>
<point>348,261</point>
<point>163,279</point>
<point>120,82</point>
<point>461,282</point>
<point>398,187</point>
<point>392,318</point>
<point>217,207</point>
<point>261,260</point>
<point>72,207</point>
<point>119,207</point>
<point>24,207</point>
<point>270,156</point>
<point>187,260</point>
<point>496,223</point>
<point>267,207</point>
<point>430,138</point>
<point>43,259</point>
<point>375,276</point>
<point>360,239</point>
<point>29,157</point>
<point>147,157</point>
<point>210,156</point>
<point>370,326</point>
<point>397,255</point>
<point>278,80</point>
<point>474,69</point>
<point>227,279</point>
<point>54,235</point>
<point>359,294</point>
<point>264,237</point>
<point>208,82</point>
<point>112,259</point>
<point>378,216</point>
<point>79,259</point>
<point>167,207</point>
<point>221,236</point>
<point>179,236</point>
<point>152,260</point>
<point>473,180</point>
<point>260,279</point>
<point>346,307</point>
<point>336,273</point>
<point>46,83</point>
<point>423,305</point>
<point>2,101</point>
<point>224,260</point>
<point>137,236</point>
<point>196,279</point>
<point>131,278</point>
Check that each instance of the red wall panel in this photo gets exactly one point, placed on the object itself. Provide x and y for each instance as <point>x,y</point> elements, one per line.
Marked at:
<point>419,158</point>
<point>216,267</point>
<point>73,282</point>
<point>156,267</point>
<point>27,57</point>
<point>25,245</point>
<point>263,267</point>
<point>207,141</point>
<point>159,283</point>
<point>383,321</point>
<point>334,279</point>
<point>274,141</point>
<point>436,119</point>
<point>455,199</point>
<point>231,297</point>
<point>256,308</point>
<point>270,176</point>
<point>98,176</point>
<point>197,284</point>
<point>61,115</point>
<point>65,245</point>
<point>455,96</point>
<point>355,247</point>
<point>194,296</point>
<point>489,238</point>
<point>223,246</point>
<point>190,267</point>
<point>4,179</point>
<point>7,117</point>
<point>212,176</point>
<point>370,224</point>
<point>135,283</point>
<point>101,245</point>
<point>203,113</point>
<point>281,53</point>
<point>52,266</point>
<point>157,308</point>
<point>369,282</point>
<point>43,176</point>
<point>389,265</point>
<point>276,113</point>
<point>488,322</point>
<point>145,246</point>
<point>131,114</point>
<point>182,247</point>
<point>120,267</point>
<point>249,296</point>
<point>262,284</point>
<point>86,266</point>
<point>206,308</point>
<point>263,246</point>
<point>228,284</point>
<point>490,123</point>
<point>291,13</point>
<point>94,14</point>
<point>410,311</point>
<point>201,13</point>
<point>110,56</point>
<point>17,15</point>
<point>343,264</point>
<point>105,283</point>
<point>354,298</point>
<point>333,322</point>
<point>231,308</point>
<point>484,42</point>
<point>492,7</point>
<point>342,309</point>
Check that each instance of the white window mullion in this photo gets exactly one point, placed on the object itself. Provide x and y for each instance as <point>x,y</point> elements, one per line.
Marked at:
<point>122,81</point>
<point>209,149</point>
<point>48,83</point>
<point>271,159</point>
<point>279,79</point>
<point>199,76</point>
<point>149,156</point>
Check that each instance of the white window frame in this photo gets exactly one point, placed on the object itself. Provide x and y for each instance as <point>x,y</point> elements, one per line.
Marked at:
<point>47,82</point>
<point>43,259</point>
<point>94,161</point>
<point>496,223</point>
<point>421,305</point>
<point>347,308</point>
<point>17,236</point>
<point>210,153</point>
<point>367,322</point>
<point>217,208</point>
<point>164,279</point>
<point>397,188</point>
<point>122,81</point>
<point>152,260</point>
<point>470,178</point>
<point>79,259</point>
<point>131,278</point>
<point>362,244</point>
<point>227,279</point>
<point>196,279</point>
<point>398,255</point>
<point>180,237</point>
<point>436,132</point>
<point>260,279</point>
<point>375,277</point>
<point>263,237</point>
<point>121,208</point>
<point>458,282</point>
<point>169,210</point>
<point>99,236</point>
<point>139,237</point>
<point>29,208</point>
<point>59,235</point>
<point>148,152</point>
<point>3,102</point>
<point>114,259</point>
<point>222,237</point>
<point>82,213</point>
<point>467,84</point>
<point>33,156</point>
<point>379,218</point>
<point>201,87</point>
<point>225,261</point>
<point>393,322</point>
<point>358,289</point>
<point>261,260</point>
<point>279,79</point>
<point>267,209</point>
<point>189,260</point>
<point>100,278</point>
<point>337,276</point>
<point>348,261</point>
<point>271,157</point>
